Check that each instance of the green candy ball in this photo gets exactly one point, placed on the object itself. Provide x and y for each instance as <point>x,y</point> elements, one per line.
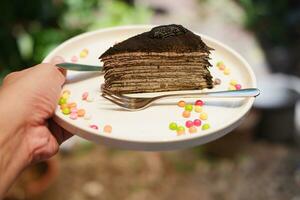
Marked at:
<point>180,128</point>
<point>173,126</point>
<point>62,101</point>
<point>66,111</point>
<point>205,126</point>
<point>188,107</point>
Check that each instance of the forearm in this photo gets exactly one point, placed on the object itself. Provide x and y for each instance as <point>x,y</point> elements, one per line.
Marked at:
<point>12,161</point>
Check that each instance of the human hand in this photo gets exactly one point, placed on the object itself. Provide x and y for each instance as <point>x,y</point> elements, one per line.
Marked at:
<point>27,134</point>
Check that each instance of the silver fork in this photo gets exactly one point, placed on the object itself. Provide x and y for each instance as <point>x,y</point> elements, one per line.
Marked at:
<point>140,103</point>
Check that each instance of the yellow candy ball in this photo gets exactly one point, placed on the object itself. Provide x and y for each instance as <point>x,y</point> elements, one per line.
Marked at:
<point>226,71</point>
<point>198,109</point>
<point>180,132</point>
<point>231,87</point>
<point>233,82</point>
<point>66,91</point>
<point>203,116</point>
<point>84,53</point>
<point>65,95</point>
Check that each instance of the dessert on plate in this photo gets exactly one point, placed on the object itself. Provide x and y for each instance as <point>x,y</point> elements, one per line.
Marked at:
<point>166,58</point>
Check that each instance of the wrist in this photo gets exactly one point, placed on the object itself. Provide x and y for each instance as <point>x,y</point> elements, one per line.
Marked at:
<point>12,158</point>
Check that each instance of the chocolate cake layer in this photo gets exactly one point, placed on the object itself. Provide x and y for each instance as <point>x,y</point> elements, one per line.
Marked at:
<point>166,58</point>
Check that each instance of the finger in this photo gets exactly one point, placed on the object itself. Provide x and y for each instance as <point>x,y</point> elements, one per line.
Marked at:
<point>58,132</point>
<point>52,71</point>
<point>57,60</point>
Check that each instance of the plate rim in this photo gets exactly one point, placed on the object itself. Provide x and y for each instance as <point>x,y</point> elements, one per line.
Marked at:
<point>213,134</point>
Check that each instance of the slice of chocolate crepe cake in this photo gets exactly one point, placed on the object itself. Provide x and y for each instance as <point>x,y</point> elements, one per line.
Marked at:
<point>167,58</point>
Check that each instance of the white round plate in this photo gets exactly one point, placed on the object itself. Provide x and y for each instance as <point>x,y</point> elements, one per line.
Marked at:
<point>147,129</point>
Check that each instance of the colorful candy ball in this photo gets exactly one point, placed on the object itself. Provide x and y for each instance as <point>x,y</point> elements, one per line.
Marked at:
<point>62,101</point>
<point>233,82</point>
<point>189,123</point>
<point>193,129</point>
<point>205,126</point>
<point>180,130</point>
<point>188,107</point>
<point>198,109</point>
<point>186,114</point>
<point>85,95</point>
<point>65,95</point>
<point>94,126</point>
<point>74,110</point>
<point>238,86</point>
<point>107,129</point>
<point>74,59</point>
<point>81,112</point>
<point>67,91</point>
<point>221,65</point>
<point>197,122</point>
<point>84,53</point>
<point>199,103</point>
<point>90,99</point>
<point>73,116</point>
<point>181,103</point>
<point>203,116</point>
<point>217,81</point>
<point>231,87</point>
<point>226,71</point>
<point>87,116</point>
<point>57,59</point>
<point>66,111</point>
<point>72,105</point>
<point>173,126</point>
<point>63,106</point>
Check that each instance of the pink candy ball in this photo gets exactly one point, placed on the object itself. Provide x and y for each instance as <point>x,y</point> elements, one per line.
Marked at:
<point>199,103</point>
<point>238,86</point>
<point>74,110</point>
<point>73,116</point>
<point>85,95</point>
<point>188,123</point>
<point>197,122</point>
<point>74,59</point>
<point>94,126</point>
<point>57,59</point>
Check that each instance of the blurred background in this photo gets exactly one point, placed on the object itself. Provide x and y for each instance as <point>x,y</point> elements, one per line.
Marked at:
<point>259,160</point>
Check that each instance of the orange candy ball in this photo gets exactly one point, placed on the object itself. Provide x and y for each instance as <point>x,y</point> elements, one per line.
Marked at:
<point>193,129</point>
<point>81,113</point>
<point>107,129</point>
<point>186,114</point>
<point>63,106</point>
<point>72,105</point>
<point>181,103</point>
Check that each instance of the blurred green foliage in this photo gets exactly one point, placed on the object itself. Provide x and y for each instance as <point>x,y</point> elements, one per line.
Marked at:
<point>273,20</point>
<point>30,29</point>
<point>276,25</point>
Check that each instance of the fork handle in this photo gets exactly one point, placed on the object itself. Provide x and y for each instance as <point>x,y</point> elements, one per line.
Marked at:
<point>249,92</point>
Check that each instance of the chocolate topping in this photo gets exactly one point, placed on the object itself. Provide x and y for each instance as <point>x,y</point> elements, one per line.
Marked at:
<point>167,31</point>
<point>167,38</point>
